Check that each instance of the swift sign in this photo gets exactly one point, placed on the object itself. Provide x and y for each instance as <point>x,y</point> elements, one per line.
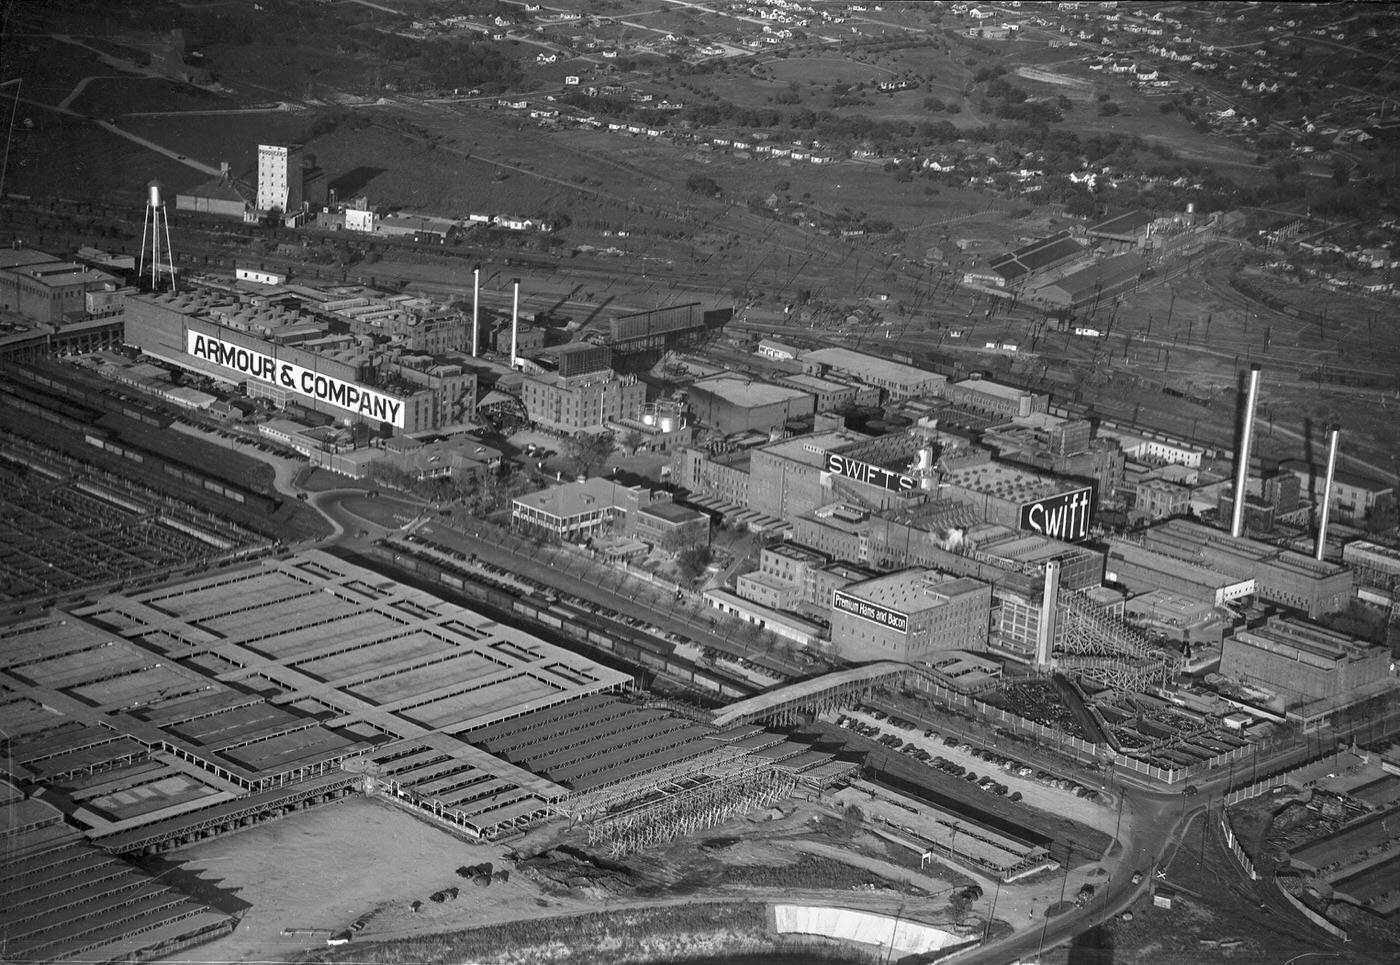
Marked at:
<point>1065,516</point>
<point>864,472</point>
<point>882,616</point>
<point>288,375</point>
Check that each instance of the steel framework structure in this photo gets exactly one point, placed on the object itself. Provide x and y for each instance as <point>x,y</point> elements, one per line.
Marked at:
<point>1103,647</point>
<point>683,806</point>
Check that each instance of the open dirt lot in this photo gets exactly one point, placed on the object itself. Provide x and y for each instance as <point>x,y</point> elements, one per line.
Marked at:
<point>325,868</point>
<point>320,871</point>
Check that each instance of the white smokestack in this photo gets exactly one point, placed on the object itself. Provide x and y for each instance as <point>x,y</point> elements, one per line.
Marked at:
<point>515,324</point>
<point>1247,437</point>
<point>1045,636</point>
<point>476,304</point>
<point>1332,433</point>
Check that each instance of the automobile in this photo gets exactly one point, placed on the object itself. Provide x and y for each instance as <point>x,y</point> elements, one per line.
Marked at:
<point>1137,877</point>
<point>1190,790</point>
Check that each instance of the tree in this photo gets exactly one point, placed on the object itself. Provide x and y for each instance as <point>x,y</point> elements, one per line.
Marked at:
<point>585,450</point>
<point>632,440</point>
<point>699,184</point>
<point>851,820</point>
<point>692,561</point>
<point>1341,172</point>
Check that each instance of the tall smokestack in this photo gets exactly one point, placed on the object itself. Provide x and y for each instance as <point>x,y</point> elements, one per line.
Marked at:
<point>1242,470</point>
<point>1332,433</point>
<point>1045,637</point>
<point>476,306</point>
<point>514,323</point>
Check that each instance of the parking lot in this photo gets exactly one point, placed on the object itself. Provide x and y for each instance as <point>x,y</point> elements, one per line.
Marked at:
<point>988,769</point>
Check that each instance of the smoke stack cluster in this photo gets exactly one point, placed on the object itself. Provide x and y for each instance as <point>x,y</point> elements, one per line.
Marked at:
<point>476,308</point>
<point>1246,439</point>
<point>1333,432</point>
<point>515,324</point>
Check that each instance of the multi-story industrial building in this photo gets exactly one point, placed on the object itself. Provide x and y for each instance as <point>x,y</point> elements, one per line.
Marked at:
<point>1062,447</point>
<point>583,403</point>
<point>1140,569</point>
<point>1302,663</point>
<point>1375,566</point>
<point>1280,575</point>
<point>277,352</point>
<point>910,616</point>
<point>1353,497</point>
<point>280,178</point>
<point>1020,498</point>
<point>47,289</point>
<point>784,576</point>
<point>831,395</point>
<point>671,526</point>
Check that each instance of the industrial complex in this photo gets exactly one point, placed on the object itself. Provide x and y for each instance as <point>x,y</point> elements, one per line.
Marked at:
<point>631,571</point>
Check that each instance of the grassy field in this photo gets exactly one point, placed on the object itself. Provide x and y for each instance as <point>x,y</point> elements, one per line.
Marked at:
<point>70,158</point>
<point>117,95</point>
<point>50,68</point>
<point>213,138</point>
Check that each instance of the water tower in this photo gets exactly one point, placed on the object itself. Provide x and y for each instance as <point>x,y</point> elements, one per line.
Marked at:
<point>156,217</point>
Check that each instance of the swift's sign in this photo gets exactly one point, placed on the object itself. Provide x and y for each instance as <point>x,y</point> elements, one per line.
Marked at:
<point>1065,516</point>
<point>288,375</point>
<point>883,616</point>
<point>864,472</point>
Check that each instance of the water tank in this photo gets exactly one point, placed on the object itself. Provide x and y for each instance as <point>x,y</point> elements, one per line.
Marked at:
<point>649,416</point>
<point>668,423</point>
<point>153,193</point>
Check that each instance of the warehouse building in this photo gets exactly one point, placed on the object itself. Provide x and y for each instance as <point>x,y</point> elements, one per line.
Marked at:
<point>47,289</point>
<point>895,380</point>
<point>1015,270</point>
<point>1281,576</point>
<point>993,398</point>
<point>910,616</point>
<point>1087,286</point>
<point>279,353</point>
<point>731,405</point>
<point>1140,569</point>
<point>1123,232</point>
<point>1302,662</point>
<point>831,395</point>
